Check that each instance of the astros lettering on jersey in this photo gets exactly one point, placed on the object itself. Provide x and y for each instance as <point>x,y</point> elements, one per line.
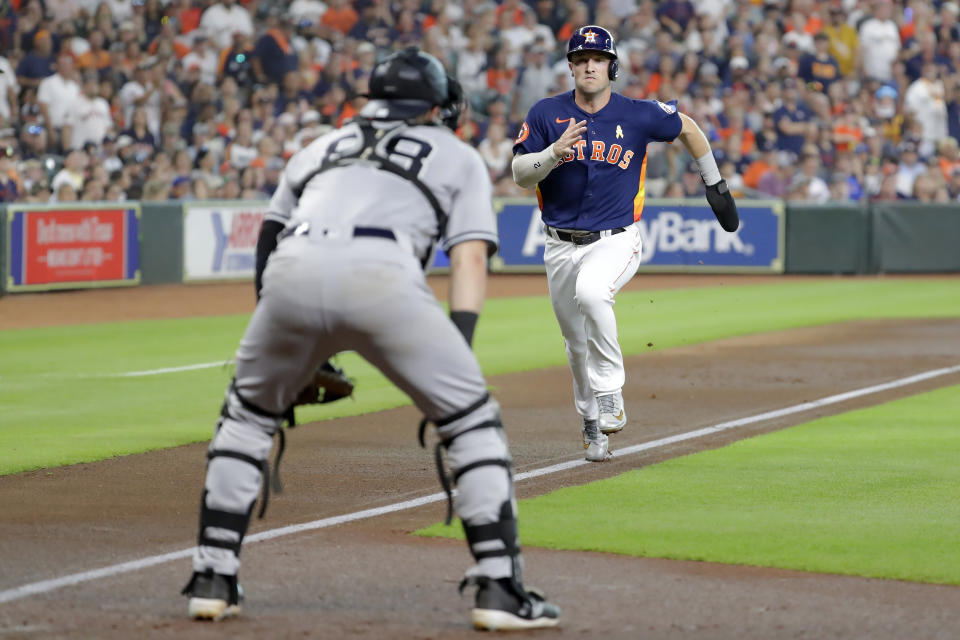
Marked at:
<point>582,192</point>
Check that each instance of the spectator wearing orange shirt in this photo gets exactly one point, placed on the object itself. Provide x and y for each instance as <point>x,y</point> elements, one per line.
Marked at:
<point>514,7</point>
<point>766,162</point>
<point>169,33</point>
<point>847,133</point>
<point>340,15</point>
<point>737,128</point>
<point>96,57</point>
<point>803,18</point>
<point>187,15</point>
<point>500,77</point>
<point>948,157</point>
<point>660,77</point>
<point>579,15</point>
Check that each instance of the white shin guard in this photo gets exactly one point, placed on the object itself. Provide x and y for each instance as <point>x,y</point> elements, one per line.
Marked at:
<point>482,470</point>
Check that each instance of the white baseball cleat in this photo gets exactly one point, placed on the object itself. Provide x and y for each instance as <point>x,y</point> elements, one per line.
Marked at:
<point>597,444</point>
<point>613,418</point>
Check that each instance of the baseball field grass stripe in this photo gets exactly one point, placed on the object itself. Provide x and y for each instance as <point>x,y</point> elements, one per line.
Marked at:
<point>869,492</point>
<point>100,413</point>
<point>45,586</point>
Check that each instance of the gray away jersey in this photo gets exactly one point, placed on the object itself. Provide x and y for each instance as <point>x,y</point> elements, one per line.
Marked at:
<point>359,195</point>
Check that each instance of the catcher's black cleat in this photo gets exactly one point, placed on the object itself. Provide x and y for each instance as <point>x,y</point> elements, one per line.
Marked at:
<point>504,605</point>
<point>213,596</point>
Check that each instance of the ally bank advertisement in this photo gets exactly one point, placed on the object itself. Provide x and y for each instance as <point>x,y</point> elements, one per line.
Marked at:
<point>678,236</point>
<point>220,239</point>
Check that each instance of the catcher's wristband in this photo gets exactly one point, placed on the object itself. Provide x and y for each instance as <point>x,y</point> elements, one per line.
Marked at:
<point>466,322</point>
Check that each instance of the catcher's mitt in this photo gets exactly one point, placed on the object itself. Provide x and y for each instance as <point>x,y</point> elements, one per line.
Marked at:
<point>329,384</point>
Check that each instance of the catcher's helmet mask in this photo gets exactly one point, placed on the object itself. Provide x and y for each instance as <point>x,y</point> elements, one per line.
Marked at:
<point>594,38</point>
<point>408,83</point>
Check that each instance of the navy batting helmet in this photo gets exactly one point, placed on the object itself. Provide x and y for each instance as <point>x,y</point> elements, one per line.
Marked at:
<point>594,38</point>
<point>406,84</point>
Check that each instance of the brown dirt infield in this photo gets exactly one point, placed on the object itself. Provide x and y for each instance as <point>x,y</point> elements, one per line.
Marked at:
<point>371,579</point>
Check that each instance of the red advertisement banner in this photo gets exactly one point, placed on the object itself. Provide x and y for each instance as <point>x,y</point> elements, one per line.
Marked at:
<point>74,245</point>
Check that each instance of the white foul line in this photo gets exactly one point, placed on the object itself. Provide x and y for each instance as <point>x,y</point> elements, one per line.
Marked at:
<point>45,586</point>
<point>153,372</point>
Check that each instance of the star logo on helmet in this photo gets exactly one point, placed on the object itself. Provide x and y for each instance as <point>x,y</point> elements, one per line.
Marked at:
<point>591,37</point>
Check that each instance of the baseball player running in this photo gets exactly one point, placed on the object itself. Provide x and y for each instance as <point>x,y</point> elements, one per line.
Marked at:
<point>365,206</point>
<point>586,152</point>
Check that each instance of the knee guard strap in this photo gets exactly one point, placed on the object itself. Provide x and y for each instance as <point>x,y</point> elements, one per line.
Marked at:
<point>451,418</point>
<point>447,481</point>
<point>494,539</point>
<point>236,522</point>
<point>269,480</point>
<point>263,466</point>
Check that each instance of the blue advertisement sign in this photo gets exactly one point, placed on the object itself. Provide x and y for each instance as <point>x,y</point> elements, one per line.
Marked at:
<point>678,235</point>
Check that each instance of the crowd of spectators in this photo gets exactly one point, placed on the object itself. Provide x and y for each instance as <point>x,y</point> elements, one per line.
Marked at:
<point>815,100</point>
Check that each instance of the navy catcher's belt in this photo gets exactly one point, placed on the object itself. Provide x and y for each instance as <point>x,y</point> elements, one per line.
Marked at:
<point>303,229</point>
<point>582,237</point>
<point>374,232</point>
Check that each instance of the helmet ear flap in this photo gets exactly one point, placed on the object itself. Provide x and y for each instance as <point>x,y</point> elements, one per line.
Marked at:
<point>614,69</point>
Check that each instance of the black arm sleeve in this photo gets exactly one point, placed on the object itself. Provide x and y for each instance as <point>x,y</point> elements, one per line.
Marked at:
<point>466,322</point>
<point>266,243</point>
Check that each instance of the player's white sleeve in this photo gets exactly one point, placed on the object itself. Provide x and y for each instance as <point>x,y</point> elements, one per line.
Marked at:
<point>282,202</point>
<point>471,215</point>
<point>531,168</point>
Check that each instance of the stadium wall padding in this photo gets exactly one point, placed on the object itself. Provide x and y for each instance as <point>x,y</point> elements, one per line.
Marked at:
<point>831,238</point>
<point>886,237</point>
<point>161,242</point>
<point>911,237</point>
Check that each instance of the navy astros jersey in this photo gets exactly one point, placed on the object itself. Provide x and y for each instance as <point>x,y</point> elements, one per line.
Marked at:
<point>601,184</point>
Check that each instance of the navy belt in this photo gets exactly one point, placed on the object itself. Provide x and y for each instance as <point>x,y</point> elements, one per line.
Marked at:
<point>584,237</point>
<point>374,232</point>
<point>303,229</point>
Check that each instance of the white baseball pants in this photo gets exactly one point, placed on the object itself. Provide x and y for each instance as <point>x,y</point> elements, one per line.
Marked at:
<point>583,281</point>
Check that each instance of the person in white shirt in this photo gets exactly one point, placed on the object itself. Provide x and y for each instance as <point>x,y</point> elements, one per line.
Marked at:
<point>72,173</point>
<point>120,9</point>
<point>88,119</point>
<point>472,61</point>
<point>310,10</point>
<point>9,90</point>
<point>496,149</point>
<point>534,79</point>
<point>880,42</point>
<point>909,167</point>
<point>203,57</point>
<point>145,90</point>
<point>221,20</point>
<point>57,93</point>
<point>817,188</point>
<point>925,98</point>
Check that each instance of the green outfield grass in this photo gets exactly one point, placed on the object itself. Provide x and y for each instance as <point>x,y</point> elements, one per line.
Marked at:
<point>869,493</point>
<point>62,401</point>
